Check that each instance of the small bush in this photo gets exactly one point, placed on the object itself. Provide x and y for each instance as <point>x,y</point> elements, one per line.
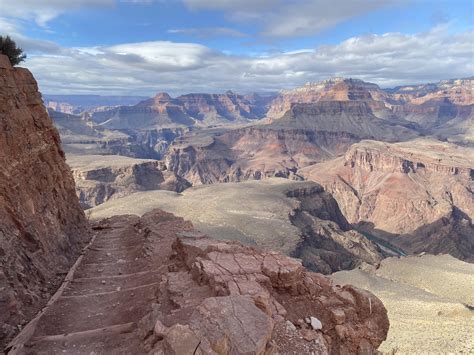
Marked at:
<point>9,48</point>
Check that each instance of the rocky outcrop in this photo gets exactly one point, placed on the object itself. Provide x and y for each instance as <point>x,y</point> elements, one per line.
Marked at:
<point>224,298</point>
<point>417,195</point>
<point>100,178</point>
<point>42,227</point>
<point>153,285</point>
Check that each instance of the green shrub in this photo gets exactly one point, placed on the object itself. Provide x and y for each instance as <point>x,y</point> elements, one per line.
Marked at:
<point>9,48</point>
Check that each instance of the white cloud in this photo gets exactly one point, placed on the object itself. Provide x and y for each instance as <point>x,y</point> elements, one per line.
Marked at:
<point>207,32</point>
<point>8,27</point>
<point>144,68</point>
<point>43,11</point>
<point>231,5</point>
<point>290,18</point>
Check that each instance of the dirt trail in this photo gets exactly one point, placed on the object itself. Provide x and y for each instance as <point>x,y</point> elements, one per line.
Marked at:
<point>111,289</point>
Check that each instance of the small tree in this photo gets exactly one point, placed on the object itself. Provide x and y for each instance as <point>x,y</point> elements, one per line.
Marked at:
<point>9,48</point>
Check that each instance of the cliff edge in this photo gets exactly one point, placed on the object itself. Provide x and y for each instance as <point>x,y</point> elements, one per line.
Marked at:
<point>42,227</point>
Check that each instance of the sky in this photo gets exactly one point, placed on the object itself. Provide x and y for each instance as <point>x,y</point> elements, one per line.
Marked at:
<point>140,47</point>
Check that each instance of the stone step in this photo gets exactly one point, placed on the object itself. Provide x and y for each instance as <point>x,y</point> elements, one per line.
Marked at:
<point>114,288</point>
<point>99,284</point>
<point>117,339</point>
<point>109,256</point>
<point>78,314</point>
<point>112,269</point>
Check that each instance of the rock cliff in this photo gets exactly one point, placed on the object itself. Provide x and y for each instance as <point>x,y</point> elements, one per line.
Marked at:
<point>100,178</point>
<point>442,109</point>
<point>42,227</point>
<point>418,194</point>
<point>351,117</point>
<point>252,153</point>
<point>334,89</point>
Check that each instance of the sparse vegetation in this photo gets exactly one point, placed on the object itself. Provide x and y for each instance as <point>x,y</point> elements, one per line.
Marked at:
<point>10,49</point>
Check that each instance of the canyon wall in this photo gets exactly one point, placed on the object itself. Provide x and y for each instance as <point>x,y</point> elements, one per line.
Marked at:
<point>100,178</point>
<point>417,195</point>
<point>252,153</point>
<point>42,227</point>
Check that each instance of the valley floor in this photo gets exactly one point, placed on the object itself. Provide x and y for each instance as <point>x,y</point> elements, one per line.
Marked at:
<point>427,300</point>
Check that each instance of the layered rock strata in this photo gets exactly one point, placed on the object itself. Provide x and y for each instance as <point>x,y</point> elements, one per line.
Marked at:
<point>100,178</point>
<point>252,153</point>
<point>261,303</point>
<point>42,227</point>
<point>418,194</point>
<point>185,110</point>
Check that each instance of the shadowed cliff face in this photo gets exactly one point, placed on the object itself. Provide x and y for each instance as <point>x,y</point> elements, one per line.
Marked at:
<point>417,195</point>
<point>42,227</point>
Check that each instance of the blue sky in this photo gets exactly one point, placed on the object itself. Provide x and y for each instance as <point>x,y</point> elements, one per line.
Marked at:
<point>143,46</point>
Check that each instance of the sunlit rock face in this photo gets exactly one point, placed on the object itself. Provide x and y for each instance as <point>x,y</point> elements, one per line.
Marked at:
<point>417,194</point>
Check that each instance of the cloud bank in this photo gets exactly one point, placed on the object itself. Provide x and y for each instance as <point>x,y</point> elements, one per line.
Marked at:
<point>147,67</point>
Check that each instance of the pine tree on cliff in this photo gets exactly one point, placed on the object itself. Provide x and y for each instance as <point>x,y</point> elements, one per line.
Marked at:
<point>9,48</point>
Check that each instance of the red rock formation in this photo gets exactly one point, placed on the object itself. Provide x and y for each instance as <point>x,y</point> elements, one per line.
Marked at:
<point>152,285</point>
<point>225,298</point>
<point>252,153</point>
<point>335,89</point>
<point>442,109</point>
<point>417,194</point>
<point>456,91</point>
<point>42,226</point>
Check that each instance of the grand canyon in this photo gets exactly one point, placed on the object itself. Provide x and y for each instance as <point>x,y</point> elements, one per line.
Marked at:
<point>320,213</point>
